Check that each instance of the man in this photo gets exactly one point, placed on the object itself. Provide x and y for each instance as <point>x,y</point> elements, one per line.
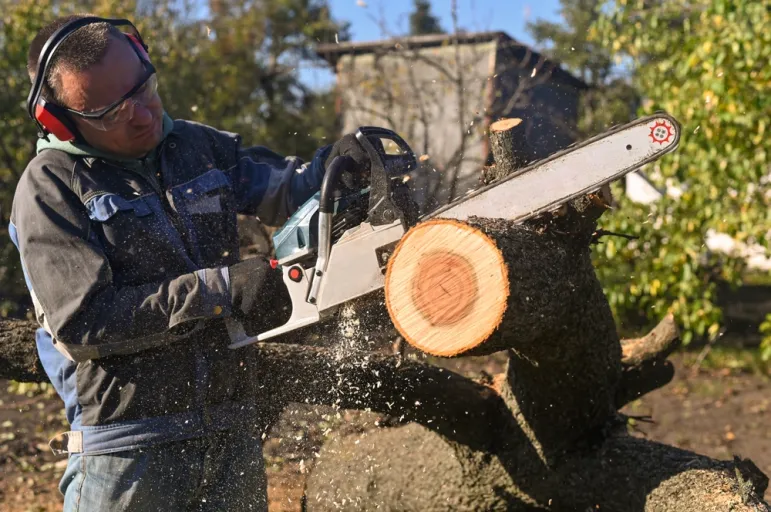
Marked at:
<point>128,240</point>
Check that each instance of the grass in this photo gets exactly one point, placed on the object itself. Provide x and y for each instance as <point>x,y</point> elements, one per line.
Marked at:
<point>738,359</point>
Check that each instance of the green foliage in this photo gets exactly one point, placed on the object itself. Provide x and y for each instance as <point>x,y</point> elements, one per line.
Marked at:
<point>31,389</point>
<point>610,100</point>
<point>706,63</point>
<point>765,345</point>
<point>567,42</point>
<point>227,63</point>
<point>422,21</point>
<point>17,135</point>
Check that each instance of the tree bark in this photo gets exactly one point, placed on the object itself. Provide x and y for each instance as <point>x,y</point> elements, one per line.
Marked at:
<point>644,362</point>
<point>413,468</point>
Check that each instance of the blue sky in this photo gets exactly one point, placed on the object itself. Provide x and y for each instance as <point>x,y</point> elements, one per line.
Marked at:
<point>366,17</point>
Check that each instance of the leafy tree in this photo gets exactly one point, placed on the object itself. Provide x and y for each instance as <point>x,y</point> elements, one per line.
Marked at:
<point>17,133</point>
<point>422,21</point>
<point>228,63</point>
<point>705,62</point>
<point>611,99</point>
<point>765,346</point>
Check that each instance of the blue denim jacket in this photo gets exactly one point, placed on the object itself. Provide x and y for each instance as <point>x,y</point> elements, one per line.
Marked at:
<point>127,268</point>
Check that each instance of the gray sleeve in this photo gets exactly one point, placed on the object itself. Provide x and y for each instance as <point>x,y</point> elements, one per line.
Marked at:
<point>272,186</point>
<point>72,286</point>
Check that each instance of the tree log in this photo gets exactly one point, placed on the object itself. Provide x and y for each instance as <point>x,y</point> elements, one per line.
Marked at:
<point>413,468</point>
<point>564,381</point>
<point>462,448</point>
<point>559,325</point>
<point>455,286</point>
<point>446,287</point>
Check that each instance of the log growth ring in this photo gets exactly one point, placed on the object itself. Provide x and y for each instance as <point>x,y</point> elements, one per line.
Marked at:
<point>446,287</point>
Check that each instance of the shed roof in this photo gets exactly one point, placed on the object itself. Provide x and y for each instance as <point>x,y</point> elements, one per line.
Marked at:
<point>332,52</point>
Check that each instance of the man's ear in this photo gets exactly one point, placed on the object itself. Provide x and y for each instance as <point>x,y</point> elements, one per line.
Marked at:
<point>55,121</point>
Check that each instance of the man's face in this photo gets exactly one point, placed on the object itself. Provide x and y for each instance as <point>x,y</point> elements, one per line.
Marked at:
<point>103,84</point>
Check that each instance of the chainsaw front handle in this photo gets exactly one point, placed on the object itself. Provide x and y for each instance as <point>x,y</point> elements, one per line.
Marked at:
<point>332,176</point>
<point>382,209</point>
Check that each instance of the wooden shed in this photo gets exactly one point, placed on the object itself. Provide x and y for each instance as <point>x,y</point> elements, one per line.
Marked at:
<point>441,92</point>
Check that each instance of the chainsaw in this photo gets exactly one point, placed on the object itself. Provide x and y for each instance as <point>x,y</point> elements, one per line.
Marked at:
<point>335,247</point>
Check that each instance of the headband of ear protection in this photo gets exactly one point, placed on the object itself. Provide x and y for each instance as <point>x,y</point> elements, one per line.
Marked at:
<point>49,117</point>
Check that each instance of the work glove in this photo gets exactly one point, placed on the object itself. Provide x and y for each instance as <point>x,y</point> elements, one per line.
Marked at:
<point>259,297</point>
<point>350,147</point>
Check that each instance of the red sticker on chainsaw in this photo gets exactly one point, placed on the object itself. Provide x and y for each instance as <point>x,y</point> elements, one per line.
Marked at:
<point>661,132</point>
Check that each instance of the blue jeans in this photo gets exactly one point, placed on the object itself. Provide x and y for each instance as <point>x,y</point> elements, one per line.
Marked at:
<point>225,472</point>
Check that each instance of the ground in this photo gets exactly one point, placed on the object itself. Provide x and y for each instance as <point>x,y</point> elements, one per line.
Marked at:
<point>719,411</point>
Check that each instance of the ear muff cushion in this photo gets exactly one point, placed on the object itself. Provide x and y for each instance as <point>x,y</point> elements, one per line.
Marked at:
<point>49,117</point>
<point>52,123</point>
<point>140,48</point>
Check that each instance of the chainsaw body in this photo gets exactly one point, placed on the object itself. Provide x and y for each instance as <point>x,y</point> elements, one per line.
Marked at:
<point>341,235</point>
<point>335,248</point>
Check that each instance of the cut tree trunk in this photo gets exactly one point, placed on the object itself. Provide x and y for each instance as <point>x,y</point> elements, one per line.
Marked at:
<point>509,148</point>
<point>446,287</point>
<point>556,319</point>
<point>559,446</point>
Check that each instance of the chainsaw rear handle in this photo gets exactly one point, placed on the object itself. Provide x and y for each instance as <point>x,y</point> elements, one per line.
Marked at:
<point>335,170</point>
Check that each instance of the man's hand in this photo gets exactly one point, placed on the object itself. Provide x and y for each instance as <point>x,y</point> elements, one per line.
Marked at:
<point>349,146</point>
<point>256,291</point>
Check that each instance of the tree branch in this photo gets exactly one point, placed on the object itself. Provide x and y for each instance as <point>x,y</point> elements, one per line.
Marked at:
<point>657,344</point>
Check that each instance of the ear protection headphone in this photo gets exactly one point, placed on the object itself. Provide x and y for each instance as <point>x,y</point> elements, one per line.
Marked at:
<point>52,118</point>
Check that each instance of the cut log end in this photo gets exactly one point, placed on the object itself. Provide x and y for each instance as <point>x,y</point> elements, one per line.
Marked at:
<point>505,124</point>
<point>446,287</point>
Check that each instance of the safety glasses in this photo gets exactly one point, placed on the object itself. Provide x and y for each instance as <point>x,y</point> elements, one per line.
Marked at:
<point>122,110</point>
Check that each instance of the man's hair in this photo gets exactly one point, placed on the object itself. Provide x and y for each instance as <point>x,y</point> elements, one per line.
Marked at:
<point>83,48</point>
